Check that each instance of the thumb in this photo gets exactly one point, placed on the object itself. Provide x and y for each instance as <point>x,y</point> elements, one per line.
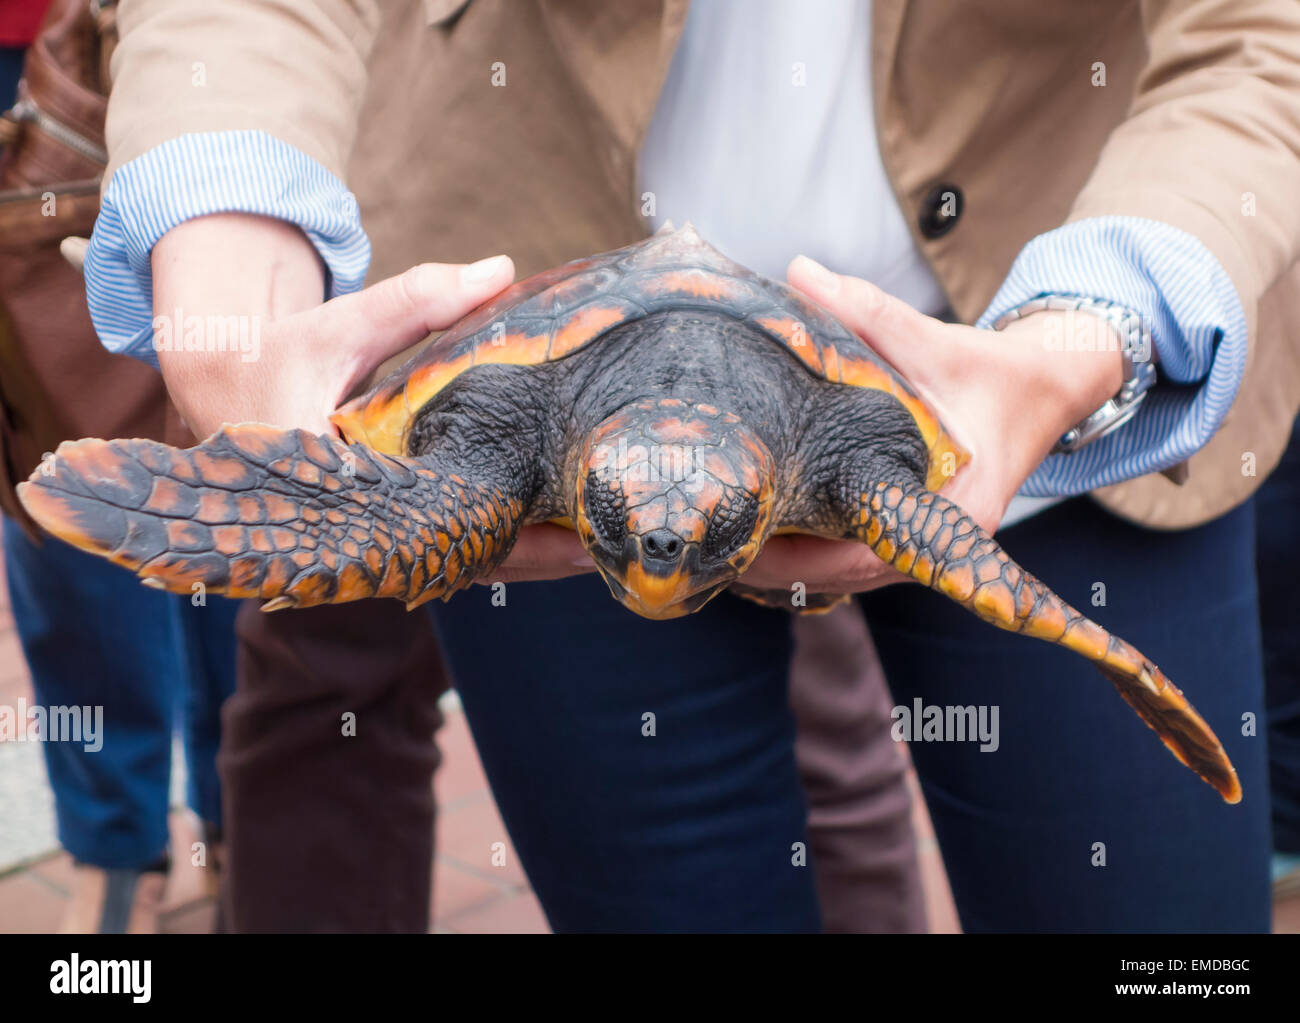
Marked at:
<point>888,324</point>
<point>394,314</point>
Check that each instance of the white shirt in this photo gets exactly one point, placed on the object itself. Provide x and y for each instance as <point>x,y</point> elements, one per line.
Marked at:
<point>765,138</point>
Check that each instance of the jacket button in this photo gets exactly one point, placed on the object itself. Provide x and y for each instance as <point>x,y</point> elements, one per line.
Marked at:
<point>940,209</point>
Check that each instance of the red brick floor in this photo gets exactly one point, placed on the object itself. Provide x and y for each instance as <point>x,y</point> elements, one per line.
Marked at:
<point>479,885</point>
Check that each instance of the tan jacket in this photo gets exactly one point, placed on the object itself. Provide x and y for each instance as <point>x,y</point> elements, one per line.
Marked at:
<point>1198,117</point>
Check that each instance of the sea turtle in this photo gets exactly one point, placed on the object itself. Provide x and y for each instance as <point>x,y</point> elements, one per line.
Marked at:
<point>671,406</point>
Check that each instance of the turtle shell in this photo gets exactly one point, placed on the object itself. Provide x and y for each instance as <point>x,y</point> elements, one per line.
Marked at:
<point>558,312</point>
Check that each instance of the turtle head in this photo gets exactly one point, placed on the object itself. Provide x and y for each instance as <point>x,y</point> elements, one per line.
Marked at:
<point>674,501</point>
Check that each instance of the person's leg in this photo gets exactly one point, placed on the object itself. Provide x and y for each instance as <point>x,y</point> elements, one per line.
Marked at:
<point>645,769</point>
<point>1276,518</point>
<point>95,638</point>
<point>859,808</point>
<point>326,765</point>
<point>205,640</point>
<point>92,635</point>
<point>1076,776</point>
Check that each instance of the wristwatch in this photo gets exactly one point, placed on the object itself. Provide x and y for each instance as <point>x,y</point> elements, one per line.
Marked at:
<point>1135,347</point>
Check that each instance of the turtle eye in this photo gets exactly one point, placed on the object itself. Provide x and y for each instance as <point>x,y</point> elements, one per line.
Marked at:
<point>730,529</point>
<point>606,510</point>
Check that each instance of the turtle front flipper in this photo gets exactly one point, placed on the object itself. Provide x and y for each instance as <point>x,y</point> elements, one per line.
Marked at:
<point>931,539</point>
<point>283,515</point>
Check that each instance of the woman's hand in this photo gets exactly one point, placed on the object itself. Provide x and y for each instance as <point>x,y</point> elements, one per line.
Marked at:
<point>1006,396</point>
<point>310,355</point>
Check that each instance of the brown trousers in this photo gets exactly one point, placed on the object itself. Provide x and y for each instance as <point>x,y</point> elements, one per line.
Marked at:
<point>328,757</point>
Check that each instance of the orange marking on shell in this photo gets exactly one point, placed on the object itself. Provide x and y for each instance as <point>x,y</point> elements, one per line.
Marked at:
<point>586,324</point>
<point>700,284</point>
<point>794,333</point>
<point>831,363</point>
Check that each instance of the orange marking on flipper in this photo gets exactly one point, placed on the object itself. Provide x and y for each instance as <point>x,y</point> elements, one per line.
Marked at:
<point>167,497</point>
<point>957,582</point>
<point>222,470</point>
<point>353,583</point>
<point>995,602</point>
<point>279,571</point>
<point>229,540</point>
<point>245,577</point>
<point>1049,623</point>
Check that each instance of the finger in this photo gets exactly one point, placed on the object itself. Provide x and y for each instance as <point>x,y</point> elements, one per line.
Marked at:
<point>543,552</point>
<point>823,566</point>
<point>394,314</point>
<point>888,324</point>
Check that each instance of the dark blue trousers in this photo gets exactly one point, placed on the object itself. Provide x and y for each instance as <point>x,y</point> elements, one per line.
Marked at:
<point>698,826</point>
<point>1077,773</point>
<point>1277,515</point>
<point>155,663</point>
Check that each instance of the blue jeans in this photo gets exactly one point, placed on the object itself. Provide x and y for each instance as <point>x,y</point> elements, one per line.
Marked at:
<point>698,826</point>
<point>1276,516</point>
<point>93,636</point>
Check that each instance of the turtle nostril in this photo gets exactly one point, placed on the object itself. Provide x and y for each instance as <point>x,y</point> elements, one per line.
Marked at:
<point>662,545</point>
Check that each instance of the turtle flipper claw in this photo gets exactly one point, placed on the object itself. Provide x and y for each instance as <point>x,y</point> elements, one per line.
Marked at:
<point>283,515</point>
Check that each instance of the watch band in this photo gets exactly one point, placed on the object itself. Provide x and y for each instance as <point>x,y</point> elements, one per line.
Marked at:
<point>1139,364</point>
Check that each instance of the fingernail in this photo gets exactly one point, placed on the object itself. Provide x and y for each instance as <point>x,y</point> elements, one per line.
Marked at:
<point>483,270</point>
<point>825,280</point>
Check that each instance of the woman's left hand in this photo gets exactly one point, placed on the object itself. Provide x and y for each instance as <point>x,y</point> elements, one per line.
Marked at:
<point>1006,396</point>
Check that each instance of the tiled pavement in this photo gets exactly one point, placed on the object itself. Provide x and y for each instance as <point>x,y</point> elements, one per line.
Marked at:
<point>470,894</point>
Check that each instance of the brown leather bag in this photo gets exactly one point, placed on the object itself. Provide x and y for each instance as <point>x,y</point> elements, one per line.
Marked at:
<point>57,382</point>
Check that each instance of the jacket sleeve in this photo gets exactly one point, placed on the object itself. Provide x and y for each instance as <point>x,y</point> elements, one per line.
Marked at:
<point>294,69</point>
<point>1211,143</point>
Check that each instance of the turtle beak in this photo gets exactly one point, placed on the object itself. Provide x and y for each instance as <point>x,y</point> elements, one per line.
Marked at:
<point>658,587</point>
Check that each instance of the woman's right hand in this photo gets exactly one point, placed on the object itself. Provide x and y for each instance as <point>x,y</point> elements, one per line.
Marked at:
<point>310,354</point>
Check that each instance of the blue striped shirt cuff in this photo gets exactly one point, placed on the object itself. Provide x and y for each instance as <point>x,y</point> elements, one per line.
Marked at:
<point>195,175</point>
<point>1197,324</point>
